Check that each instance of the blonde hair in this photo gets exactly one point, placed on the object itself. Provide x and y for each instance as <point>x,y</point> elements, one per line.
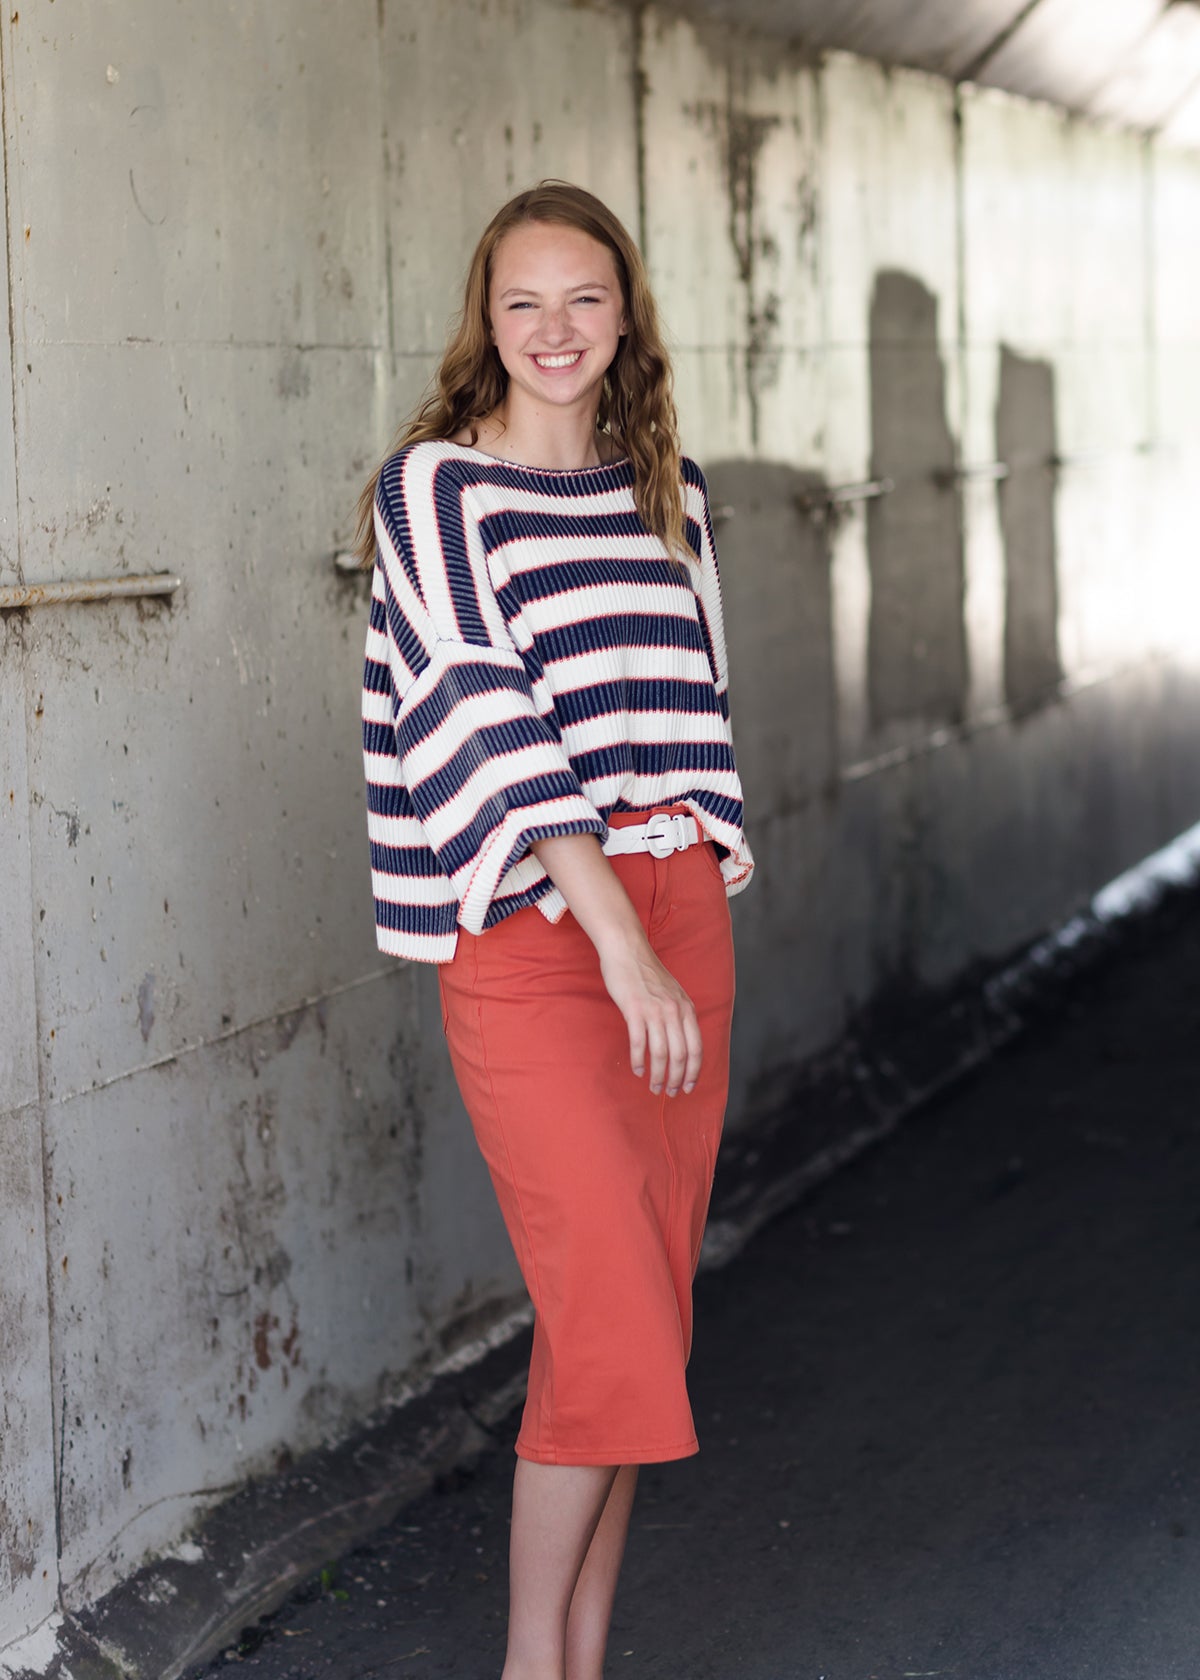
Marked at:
<point>636,405</point>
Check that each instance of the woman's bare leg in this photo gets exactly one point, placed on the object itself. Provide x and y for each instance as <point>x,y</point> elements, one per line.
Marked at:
<point>556,1511</point>
<point>592,1603</point>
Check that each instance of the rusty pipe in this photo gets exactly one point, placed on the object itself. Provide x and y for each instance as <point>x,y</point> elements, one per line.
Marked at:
<point>13,595</point>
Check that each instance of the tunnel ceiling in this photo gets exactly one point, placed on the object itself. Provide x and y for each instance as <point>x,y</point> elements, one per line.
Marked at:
<point>1132,61</point>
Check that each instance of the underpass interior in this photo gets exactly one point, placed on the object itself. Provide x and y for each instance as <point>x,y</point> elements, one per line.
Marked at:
<point>928,273</point>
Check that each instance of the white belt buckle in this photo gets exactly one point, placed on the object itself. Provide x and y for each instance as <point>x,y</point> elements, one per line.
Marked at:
<point>665,834</point>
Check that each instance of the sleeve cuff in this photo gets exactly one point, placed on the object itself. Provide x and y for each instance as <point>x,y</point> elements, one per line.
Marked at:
<point>505,847</point>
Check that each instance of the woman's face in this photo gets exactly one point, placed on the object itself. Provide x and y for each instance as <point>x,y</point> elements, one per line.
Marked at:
<point>557,313</point>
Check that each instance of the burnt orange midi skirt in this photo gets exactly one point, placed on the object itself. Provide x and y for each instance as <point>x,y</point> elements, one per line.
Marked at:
<point>603,1186</point>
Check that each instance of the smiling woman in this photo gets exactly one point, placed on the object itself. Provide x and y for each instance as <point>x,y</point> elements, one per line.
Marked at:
<point>619,406</point>
<point>555,818</point>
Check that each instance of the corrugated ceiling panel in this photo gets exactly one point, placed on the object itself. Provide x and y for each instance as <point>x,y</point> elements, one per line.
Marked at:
<point>1066,49</point>
<point>1158,74</point>
<point>946,36</point>
<point>940,35</point>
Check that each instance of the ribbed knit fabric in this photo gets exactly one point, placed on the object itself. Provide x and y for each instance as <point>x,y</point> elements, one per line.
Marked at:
<point>535,661</point>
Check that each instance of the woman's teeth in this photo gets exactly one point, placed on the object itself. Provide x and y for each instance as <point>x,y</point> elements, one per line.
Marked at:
<point>558,361</point>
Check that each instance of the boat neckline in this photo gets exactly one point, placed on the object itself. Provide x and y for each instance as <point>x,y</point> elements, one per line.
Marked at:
<point>546,472</point>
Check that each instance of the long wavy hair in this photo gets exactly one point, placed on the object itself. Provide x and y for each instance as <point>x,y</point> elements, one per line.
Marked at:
<point>636,409</point>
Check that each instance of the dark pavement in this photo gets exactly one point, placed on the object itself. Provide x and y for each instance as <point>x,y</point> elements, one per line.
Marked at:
<point>949,1407</point>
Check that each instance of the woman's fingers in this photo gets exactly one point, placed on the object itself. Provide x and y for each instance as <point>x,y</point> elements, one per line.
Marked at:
<point>670,1042</point>
<point>657,1039</point>
<point>695,1051</point>
<point>637,1047</point>
<point>676,1057</point>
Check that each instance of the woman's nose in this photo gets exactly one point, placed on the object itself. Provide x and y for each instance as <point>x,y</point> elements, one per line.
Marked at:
<point>556,325</point>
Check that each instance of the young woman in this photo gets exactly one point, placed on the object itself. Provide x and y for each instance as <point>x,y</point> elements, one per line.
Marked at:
<point>556,821</point>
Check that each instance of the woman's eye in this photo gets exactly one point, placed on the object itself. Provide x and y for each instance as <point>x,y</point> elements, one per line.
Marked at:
<point>587,300</point>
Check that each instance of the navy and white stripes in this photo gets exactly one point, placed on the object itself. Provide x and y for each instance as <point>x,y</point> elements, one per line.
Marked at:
<point>535,661</point>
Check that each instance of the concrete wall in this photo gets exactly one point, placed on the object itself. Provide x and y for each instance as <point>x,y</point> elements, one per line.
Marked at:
<point>241,1204</point>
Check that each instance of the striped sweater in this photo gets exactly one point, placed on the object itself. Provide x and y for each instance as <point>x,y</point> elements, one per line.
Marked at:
<point>535,661</point>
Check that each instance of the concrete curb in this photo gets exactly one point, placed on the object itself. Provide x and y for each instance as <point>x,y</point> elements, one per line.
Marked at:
<point>247,1555</point>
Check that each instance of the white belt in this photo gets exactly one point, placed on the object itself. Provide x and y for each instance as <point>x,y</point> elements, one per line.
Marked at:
<point>661,836</point>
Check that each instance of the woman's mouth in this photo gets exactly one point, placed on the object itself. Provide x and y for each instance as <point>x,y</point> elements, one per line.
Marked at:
<point>551,363</point>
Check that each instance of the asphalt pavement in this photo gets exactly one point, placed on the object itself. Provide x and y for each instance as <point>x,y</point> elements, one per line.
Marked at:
<point>948,1407</point>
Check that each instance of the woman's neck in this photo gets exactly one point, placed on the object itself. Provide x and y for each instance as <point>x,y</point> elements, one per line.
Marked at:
<point>559,441</point>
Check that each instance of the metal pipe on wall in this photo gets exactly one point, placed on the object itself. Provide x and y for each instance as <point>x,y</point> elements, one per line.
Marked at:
<point>15,595</point>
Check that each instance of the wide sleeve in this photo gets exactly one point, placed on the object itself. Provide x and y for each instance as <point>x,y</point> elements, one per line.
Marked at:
<point>455,719</point>
<point>737,863</point>
<point>699,533</point>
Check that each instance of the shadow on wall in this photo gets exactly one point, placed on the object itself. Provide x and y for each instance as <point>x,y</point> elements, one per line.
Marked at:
<point>776,563</point>
<point>775,580</point>
<point>917,650</point>
<point>1026,440</point>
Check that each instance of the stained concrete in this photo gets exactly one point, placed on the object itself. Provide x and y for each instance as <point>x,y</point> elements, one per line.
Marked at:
<point>28,1578</point>
<point>730,166</point>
